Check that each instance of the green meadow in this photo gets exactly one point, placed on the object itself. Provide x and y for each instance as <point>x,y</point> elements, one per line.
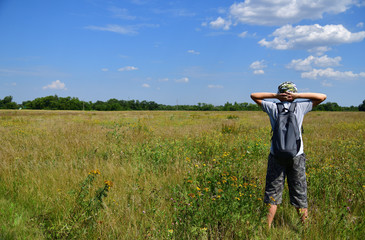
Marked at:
<point>172,175</point>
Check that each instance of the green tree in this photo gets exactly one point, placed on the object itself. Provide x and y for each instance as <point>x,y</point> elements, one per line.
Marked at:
<point>362,106</point>
<point>7,103</point>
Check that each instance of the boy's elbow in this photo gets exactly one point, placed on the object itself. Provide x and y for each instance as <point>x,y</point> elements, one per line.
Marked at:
<point>254,96</point>
<point>323,97</point>
<point>319,99</point>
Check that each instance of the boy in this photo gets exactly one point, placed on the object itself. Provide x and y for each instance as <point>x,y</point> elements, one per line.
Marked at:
<point>295,173</point>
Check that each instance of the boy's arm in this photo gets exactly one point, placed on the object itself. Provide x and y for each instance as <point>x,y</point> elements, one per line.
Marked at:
<point>316,98</point>
<point>258,97</point>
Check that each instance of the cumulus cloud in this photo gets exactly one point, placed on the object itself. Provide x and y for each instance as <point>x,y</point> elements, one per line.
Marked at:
<point>146,85</point>
<point>331,73</point>
<point>193,52</point>
<point>360,25</point>
<point>215,86</point>
<point>127,68</point>
<point>311,37</point>
<point>221,23</point>
<point>56,85</point>
<point>182,80</point>
<point>280,12</point>
<point>311,61</point>
<point>104,69</point>
<point>258,67</point>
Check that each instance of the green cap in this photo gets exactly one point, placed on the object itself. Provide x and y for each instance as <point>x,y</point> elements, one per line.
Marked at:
<point>287,87</point>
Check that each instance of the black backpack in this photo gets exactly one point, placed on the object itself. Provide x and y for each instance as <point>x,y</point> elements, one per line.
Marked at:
<point>286,135</point>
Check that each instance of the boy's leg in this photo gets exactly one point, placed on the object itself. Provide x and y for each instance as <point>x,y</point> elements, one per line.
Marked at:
<point>271,214</point>
<point>275,178</point>
<point>298,186</point>
<point>303,213</point>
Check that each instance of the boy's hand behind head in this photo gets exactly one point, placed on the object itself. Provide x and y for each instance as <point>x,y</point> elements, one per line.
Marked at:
<point>287,96</point>
<point>291,96</point>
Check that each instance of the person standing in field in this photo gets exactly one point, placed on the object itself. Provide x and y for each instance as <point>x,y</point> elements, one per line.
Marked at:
<point>295,170</point>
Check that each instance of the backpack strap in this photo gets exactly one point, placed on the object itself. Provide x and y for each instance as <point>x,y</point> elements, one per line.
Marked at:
<point>280,107</point>
<point>292,107</point>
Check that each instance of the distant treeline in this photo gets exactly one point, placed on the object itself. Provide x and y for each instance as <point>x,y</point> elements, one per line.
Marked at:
<point>72,103</point>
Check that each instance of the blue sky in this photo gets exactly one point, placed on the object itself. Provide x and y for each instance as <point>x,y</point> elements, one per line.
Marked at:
<point>181,51</point>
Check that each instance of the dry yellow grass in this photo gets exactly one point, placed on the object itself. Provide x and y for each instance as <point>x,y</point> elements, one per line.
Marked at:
<point>46,154</point>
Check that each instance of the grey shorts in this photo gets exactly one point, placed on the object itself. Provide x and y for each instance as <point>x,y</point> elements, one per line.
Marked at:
<point>297,183</point>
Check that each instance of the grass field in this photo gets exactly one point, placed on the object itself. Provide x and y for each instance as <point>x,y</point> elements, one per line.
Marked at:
<point>172,175</point>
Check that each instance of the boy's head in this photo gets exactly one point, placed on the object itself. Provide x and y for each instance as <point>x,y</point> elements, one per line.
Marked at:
<point>287,87</point>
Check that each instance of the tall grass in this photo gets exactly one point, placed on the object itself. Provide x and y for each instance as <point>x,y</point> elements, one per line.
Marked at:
<point>175,175</point>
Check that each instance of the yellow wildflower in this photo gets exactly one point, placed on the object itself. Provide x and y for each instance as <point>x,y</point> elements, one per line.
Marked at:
<point>198,188</point>
<point>94,172</point>
<point>108,183</point>
<point>192,195</point>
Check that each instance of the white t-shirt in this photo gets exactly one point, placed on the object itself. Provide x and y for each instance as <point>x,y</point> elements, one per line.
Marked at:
<point>302,108</point>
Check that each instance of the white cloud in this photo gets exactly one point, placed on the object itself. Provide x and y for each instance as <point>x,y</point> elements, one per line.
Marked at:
<point>125,30</point>
<point>56,85</point>
<point>319,51</point>
<point>127,68</point>
<point>243,34</point>
<point>311,61</point>
<point>104,69</point>
<point>331,73</point>
<point>280,12</point>
<point>146,85</point>
<point>221,23</point>
<point>311,37</point>
<point>258,65</point>
<point>259,72</point>
<point>360,25</point>
<point>193,52</point>
<point>182,80</point>
<point>215,86</point>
